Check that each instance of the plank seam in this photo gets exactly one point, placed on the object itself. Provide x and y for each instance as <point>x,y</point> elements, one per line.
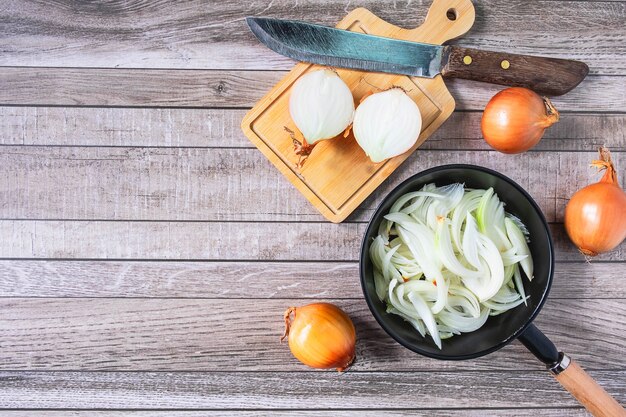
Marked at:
<point>312,371</point>
<point>330,261</point>
<point>118,297</point>
<point>569,407</point>
<point>251,148</point>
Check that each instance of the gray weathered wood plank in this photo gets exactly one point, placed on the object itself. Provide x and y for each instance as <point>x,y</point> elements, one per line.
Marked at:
<point>224,390</point>
<point>175,127</point>
<point>71,126</point>
<point>21,278</point>
<point>594,94</point>
<point>130,87</point>
<point>219,319</point>
<point>234,89</point>
<point>164,35</point>
<point>153,240</point>
<point>239,334</point>
<point>233,184</point>
<point>511,412</point>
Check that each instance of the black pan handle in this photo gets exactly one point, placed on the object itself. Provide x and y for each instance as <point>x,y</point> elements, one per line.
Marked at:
<point>571,376</point>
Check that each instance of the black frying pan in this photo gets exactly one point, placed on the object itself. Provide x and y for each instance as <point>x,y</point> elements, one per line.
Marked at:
<point>499,330</point>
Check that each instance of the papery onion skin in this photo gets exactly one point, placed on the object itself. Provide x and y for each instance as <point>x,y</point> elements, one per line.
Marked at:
<point>516,118</point>
<point>321,335</point>
<point>595,216</point>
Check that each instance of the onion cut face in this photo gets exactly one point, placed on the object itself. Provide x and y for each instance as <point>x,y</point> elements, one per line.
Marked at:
<point>387,124</point>
<point>446,258</point>
<point>322,107</point>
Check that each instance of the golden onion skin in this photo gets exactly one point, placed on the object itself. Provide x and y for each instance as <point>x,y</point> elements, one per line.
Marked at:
<point>321,335</point>
<point>595,218</point>
<point>515,120</point>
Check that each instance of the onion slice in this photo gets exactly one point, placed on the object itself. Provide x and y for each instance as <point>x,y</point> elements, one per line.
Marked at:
<point>448,258</point>
<point>518,240</point>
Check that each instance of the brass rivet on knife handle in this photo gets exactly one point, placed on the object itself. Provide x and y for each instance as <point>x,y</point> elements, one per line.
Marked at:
<point>339,176</point>
<point>548,76</point>
<point>467,59</point>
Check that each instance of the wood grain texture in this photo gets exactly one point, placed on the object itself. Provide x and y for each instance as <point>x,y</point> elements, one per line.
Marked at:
<point>163,35</point>
<point>549,76</point>
<point>154,240</point>
<point>473,95</point>
<point>514,412</point>
<point>467,412</point>
<point>224,390</point>
<point>219,128</point>
<point>234,184</point>
<point>134,87</point>
<point>590,394</point>
<point>338,175</point>
<point>201,304</point>
<point>246,279</point>
<point>72,126</point>
<point>234,89</point>
<point>239,334</point>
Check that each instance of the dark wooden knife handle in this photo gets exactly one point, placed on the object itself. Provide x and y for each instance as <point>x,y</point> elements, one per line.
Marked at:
<point>550,76</point>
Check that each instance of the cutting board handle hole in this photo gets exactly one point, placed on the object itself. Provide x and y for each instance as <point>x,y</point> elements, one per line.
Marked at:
<point>451,14</point>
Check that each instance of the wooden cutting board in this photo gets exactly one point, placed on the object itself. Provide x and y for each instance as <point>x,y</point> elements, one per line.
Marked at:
<point>338,176</point>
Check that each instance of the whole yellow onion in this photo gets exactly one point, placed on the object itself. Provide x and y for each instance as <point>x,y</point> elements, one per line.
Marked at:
<point>321,336</point>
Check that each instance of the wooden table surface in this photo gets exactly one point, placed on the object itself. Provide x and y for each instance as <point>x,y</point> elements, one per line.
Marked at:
<point>148,251</point>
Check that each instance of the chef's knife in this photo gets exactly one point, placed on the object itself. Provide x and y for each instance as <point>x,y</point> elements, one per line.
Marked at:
<point>341,48</point>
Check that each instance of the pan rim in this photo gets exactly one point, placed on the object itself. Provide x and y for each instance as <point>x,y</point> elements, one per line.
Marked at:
<point>382,321</point>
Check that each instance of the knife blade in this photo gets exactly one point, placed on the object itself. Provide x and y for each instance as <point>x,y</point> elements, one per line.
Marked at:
<point>345,49</point>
